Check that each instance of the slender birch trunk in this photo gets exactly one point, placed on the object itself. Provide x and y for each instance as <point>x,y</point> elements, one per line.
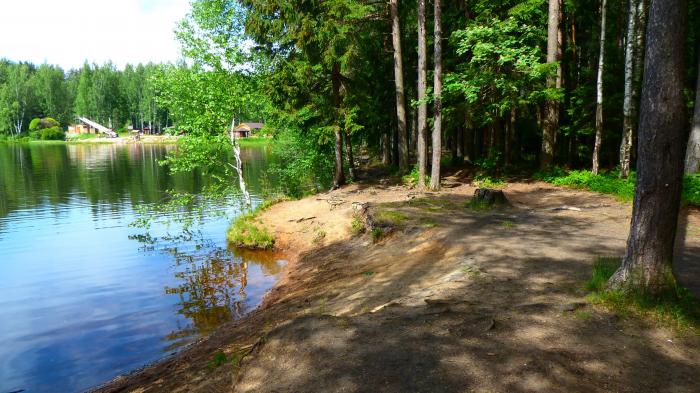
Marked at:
<point>398,80</point>
<point>599,92</point>
<point>437,90</point>
<point>627,108</point>
<point>351,158</point>
<point>692,155</point>
<point>422,86</point>
<point>551,117</point>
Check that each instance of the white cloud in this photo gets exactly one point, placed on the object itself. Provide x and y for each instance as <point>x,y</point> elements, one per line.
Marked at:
<point>68,32</point>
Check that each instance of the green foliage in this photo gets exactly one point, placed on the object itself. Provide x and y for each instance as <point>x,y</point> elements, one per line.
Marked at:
<point>390,218</point>
<point>691,189</point>
<point>676,307</point>
<point>377,234</point>
<point>606,183</point>
<point>46,129</point>
<point>411,179</point>
<point>357,227</point>
<point>486,181</point>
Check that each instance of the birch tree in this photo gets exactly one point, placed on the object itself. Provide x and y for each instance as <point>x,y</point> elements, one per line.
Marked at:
<point>599,92</point>
<point>692,155</point>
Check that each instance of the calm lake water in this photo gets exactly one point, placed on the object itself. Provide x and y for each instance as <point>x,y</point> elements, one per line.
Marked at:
<point>84,297</point>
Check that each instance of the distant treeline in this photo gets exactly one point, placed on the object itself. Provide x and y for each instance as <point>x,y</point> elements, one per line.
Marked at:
<point>115,98</point>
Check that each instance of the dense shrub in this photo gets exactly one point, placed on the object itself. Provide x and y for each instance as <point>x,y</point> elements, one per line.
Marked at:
<point>46,129</point>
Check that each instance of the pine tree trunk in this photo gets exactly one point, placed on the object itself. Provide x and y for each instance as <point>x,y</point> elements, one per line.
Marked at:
<point>338,176</point>
<point>551,110</point>
<point>692,155</point>
<point>422,86</point>
<point>599,92</point>
<point>437,89</point>
<point>386,154</point>
<point>647,264</point>
<point>400,95</point>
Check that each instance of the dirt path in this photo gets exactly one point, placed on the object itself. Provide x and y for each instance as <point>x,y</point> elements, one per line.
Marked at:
<point>453,300</point>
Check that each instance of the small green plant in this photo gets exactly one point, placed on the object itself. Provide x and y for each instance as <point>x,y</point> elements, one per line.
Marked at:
<point>319,235</point>
<point>357,226</point>
<point>411,179</point>
<point>377,234</point>
<point>485,181</point>
<point>245,232</point>
<point>507,224</point>
<point>676,307</point>
<point>471,272</point>
<point>368,273</point>
<point>219,359</point>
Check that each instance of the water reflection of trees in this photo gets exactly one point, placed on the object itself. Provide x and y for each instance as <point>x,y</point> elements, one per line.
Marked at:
<point>106,174</point>
<point>212,287</point>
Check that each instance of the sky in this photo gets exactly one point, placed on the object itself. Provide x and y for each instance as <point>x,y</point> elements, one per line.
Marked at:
<point>68,32</point>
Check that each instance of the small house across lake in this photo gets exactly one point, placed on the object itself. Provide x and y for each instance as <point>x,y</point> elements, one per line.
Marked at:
<point>244,130</point>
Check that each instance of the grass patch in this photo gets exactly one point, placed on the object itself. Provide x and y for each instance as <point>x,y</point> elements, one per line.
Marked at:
<point>485,181</point>
<point>478,205</point>
<point>606,183</point>
<point>507,224</point>
<point>676,308</point>
<point>390,218</point>
<point>357,227</point>
<point>377,234</point>
<point>246,232</point>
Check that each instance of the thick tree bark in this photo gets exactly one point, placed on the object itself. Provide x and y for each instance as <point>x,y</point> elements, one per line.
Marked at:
<point>386,153</point>
<point>437,90</point>
<point>398,79</point>
<point>551,117</point>
<point>338,176</point>
<point>599,92</point>
<point>692,156</point>
<point>647,264</point>
<point>422,86</point>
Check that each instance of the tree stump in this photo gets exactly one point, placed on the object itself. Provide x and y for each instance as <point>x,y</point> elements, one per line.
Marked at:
<point>490,197</point>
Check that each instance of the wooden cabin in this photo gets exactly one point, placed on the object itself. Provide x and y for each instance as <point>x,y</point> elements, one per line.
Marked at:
<point>81,129</point>
<point>244,130</point>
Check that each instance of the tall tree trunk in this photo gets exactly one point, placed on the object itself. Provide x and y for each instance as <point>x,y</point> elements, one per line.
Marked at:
<point>628,101</point>
<point>437,90</point>
<point>599,92</point>
<point>551,117</point>
<point>398,79</point>
<point>692,155</point>
<point>422,86</point>
<point>386,153</point>
<point>338,176</point>
<point>647,264</point>
<point>351,157</point>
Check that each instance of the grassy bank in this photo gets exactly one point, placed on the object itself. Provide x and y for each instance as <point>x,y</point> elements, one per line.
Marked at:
<point>610,183</point>
<point>254,141</point>
<point>676,308</point>
<point>247,232</point>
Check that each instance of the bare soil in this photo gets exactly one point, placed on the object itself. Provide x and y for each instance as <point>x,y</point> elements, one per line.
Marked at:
<point>451,300</point>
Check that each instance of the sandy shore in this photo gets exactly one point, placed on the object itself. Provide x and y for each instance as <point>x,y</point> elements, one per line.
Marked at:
<point>447,299</point>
